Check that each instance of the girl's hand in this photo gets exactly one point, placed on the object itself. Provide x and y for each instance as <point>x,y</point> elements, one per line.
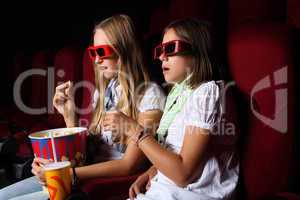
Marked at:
<point>119,123</point>
<point>63,101</point>
<point>141,184</point>
<point>37,169</point>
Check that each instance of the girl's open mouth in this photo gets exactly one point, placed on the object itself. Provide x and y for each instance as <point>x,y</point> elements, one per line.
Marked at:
<point>103,67</point>
<point>165,69</point>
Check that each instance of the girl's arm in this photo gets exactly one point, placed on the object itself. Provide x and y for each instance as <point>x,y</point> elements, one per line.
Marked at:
<point>181,168</point>
<point>152,171</point>
<point>132,160</point>
<point>128,165</point>
<point>71,121</point>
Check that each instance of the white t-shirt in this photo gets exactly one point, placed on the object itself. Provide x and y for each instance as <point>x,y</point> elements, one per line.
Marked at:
<point>153,99</point>
<point>204,109</point>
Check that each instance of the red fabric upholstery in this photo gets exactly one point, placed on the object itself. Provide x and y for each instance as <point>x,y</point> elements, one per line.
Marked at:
<point>159,19</point>
<point>293,14</point>
<point>255,11</point>
<point>38,90</point>
<point>41,60</point>
<point>21,63</point>
<point>166,12</point>
<point>203,9</point>
<point>108,188</point>
<point>286,196</point>
<point>256,52</point>
<point>4,130</point>
<point>24,145</point>
<point>68,66</point>
<point>88,89</point>
<point>31,89</point>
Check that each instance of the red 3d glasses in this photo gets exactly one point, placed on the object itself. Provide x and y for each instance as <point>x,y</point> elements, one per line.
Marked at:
<point>102,51</point>
<point>172,48</point>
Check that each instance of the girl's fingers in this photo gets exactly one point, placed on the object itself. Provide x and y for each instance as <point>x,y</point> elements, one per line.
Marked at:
<point>33,172</point>
<point>59,97</point>
<point>43,183</point>
<point>107,122</point>
<point>136,190</point>
<point>107,117</point>
<point>62,87</point>
<point>38,174</point>
<point>42,161</point>
<point>148,185</point>
<point>108,128</point>
<point>61,94</point>
<point>69,89</point>
<point>111,115</point>
<point>36,168</point>
<point>60,100</point>
<point>132,195</point>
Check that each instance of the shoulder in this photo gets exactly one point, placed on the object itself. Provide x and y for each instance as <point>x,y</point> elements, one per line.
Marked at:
<point>207,92</point>
<point>95,98</point>
<point>153,98</point>
<point>153,89</point>
<point>206,96</point>
<point>96,94</point>
<point>209,88</point>
<point>203,108</point>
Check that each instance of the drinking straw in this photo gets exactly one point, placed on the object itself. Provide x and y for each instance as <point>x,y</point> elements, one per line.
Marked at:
<point>53,147</point>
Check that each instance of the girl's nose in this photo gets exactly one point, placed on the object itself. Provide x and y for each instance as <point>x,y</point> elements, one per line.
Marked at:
<point>98,60</point>
<point>163,57</point>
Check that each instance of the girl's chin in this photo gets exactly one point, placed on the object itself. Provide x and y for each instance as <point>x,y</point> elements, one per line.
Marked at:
<point>169,79</point>
<point>109,76</point>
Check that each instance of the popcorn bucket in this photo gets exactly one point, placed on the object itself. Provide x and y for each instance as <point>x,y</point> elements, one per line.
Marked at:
<point>69,144</point>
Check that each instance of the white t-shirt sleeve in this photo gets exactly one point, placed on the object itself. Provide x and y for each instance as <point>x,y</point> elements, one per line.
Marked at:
<point>95,99</point>
<point>203,108</point>
<point>153,99</point>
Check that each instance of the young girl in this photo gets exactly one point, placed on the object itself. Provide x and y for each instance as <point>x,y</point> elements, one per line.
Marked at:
<point>122,84</point>
<point>193,159</point>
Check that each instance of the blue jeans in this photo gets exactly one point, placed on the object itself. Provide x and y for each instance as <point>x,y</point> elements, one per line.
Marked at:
<point>28,188</point>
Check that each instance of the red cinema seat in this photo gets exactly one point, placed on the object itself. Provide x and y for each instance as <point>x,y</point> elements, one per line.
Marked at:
<point>25,123</point>
<point>88,87</point>
<point>293,14</point>
<point>260,61</point>
<point>203,9</point>
<point>108,188</point>
<point>20,63</point>
<point>41,60</point>
<point>240,12</point>
<point>67,66</point>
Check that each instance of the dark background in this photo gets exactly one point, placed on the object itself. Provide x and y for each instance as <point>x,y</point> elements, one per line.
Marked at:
<point>29,28</point>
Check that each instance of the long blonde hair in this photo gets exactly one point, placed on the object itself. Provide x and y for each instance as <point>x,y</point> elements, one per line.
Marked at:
<point>132,76</point>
